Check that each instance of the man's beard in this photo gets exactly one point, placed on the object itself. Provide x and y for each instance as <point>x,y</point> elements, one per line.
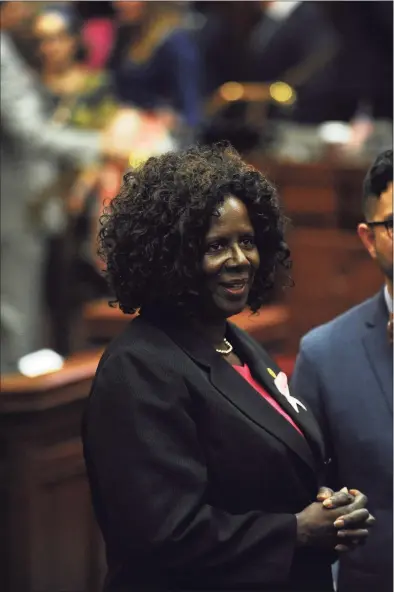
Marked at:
<point>385,266</point>
<point>389,273</point>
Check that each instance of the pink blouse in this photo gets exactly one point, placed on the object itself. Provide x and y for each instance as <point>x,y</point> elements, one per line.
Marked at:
<point>245,373</point>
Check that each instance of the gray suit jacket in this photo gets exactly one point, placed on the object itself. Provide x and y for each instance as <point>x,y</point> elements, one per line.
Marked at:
<point>30,143</point>
<point>345,371</point>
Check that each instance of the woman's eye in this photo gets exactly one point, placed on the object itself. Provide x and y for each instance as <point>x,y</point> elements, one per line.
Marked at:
<point>214,247</point>
<point>248,242</point>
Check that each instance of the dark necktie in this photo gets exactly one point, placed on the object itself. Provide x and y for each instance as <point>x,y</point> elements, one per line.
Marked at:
<point>390,328</point>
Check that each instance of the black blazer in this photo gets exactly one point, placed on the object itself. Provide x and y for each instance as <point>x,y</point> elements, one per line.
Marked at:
<point>195,478</point>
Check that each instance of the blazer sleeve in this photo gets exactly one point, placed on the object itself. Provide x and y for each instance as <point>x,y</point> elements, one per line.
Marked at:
<point>307,383</point>
<point>151,479</point>
<point>23,117</point>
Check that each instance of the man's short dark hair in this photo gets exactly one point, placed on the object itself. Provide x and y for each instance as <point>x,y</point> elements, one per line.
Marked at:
<point>377,180</point>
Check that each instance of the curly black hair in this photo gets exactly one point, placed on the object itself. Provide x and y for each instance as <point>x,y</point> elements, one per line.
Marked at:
<point>152,233</point>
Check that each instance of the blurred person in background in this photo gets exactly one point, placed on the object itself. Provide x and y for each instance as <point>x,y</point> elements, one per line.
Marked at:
<point>155,71</point>
<point>30,145</point>
<point>345,372</point>
<point>155,62</point>
<point>337,55</point>
<point>97,31</point>
<point>17,18</point>
<point>290,35</point>
<point>260,41</point>
<point>224,39</point>
<point>82,98</point>
<point>361,69</point>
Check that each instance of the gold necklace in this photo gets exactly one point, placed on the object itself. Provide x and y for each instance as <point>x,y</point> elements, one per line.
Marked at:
<point>228,350</point>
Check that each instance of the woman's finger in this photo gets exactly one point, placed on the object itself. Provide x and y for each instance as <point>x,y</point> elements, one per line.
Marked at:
<point>342,548</point>
<point>370,521</point>
<point>352,519</point>
<point>356,534</point>
<point>324,493</point>
<point>360,500</point>
<point>338,499</point>
<point>355,492</point>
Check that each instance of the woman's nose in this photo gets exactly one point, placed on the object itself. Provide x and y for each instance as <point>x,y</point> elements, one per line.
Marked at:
<point>237,256</point>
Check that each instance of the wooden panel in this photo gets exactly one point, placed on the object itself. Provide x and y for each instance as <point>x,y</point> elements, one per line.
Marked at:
<point>332,272</point>
<point>299,200</point>
<point>61,518</point>
<point>269,326</point>
<point>102,322</point>
<point>51,542</point>
<point>320,194</point>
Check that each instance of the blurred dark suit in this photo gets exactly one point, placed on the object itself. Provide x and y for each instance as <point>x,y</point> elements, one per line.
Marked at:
<point>277,45</point>
<point>336,54</point>
<point>361,70</point>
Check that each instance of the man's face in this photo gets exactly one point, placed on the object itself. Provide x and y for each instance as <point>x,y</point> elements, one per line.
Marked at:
<point>378,240</point>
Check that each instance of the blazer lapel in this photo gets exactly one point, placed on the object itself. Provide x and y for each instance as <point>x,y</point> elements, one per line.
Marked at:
<point>237,390</point>
<point>378,350</point>
<point>262,368</point>
<point>247,400</point>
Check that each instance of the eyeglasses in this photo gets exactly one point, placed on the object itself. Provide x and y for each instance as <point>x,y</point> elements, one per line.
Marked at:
<point>388,224</point>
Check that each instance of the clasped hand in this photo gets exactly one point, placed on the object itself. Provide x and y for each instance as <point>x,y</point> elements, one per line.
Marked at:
<point>337,520</point>
<point>352,526</point>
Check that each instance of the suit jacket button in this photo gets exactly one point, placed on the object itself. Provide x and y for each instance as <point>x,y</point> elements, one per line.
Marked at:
<point>328,461</point>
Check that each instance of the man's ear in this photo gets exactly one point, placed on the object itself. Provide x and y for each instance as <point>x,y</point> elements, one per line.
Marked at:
<point>367,237</point>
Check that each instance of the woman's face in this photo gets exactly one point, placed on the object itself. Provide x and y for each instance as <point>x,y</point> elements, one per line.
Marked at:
<point>57,46</point>
<point>230,261</point>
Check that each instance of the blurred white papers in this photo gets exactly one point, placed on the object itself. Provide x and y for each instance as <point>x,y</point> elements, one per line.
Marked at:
<point>40,362</point>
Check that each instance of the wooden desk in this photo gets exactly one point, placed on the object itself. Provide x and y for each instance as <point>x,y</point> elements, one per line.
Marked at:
<point>269,326</point>
<point>49,541</point>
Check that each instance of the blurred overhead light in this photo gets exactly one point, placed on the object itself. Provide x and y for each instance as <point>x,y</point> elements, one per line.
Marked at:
<point>232,91</point>
<point>282,92</point>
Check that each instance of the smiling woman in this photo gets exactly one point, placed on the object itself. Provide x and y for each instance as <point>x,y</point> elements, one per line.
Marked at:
<point>231,259</point>
<point>201,463</point>
<point>159,234</point>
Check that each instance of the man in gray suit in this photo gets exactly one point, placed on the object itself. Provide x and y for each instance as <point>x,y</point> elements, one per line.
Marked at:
<point>30,147</point>
<point>344,370</point>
